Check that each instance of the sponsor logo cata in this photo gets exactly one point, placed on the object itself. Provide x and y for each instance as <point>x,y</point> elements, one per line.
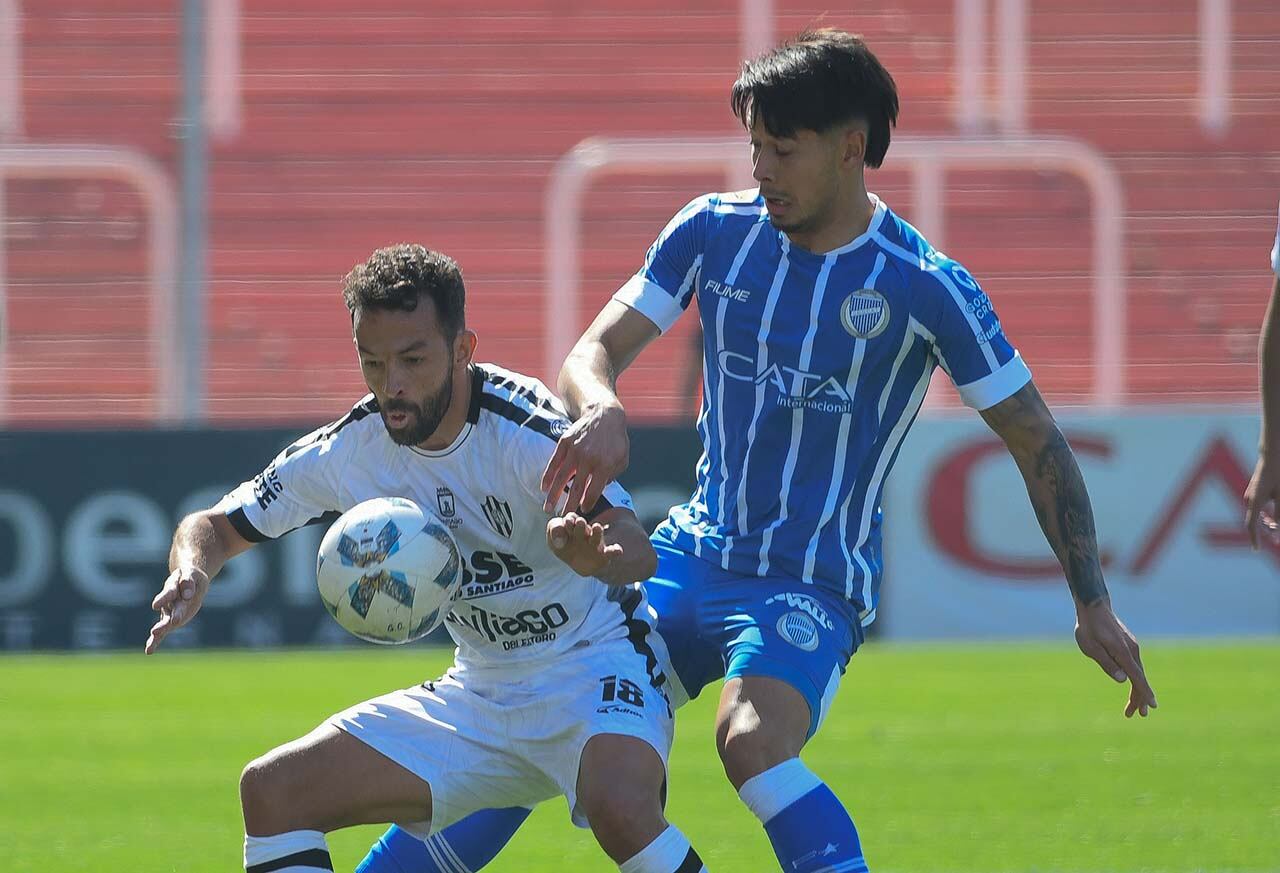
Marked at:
<point>796,389</point>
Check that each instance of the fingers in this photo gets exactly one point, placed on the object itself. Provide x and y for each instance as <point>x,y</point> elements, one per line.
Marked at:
<point>1251,522</point>
<point>572,528</point>
<point>559,473</point>
<point>1141,695</point>
<point>1104,660</point>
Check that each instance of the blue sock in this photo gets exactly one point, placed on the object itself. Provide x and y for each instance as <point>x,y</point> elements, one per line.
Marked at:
<point>809,829</point>
<point>463,847</point>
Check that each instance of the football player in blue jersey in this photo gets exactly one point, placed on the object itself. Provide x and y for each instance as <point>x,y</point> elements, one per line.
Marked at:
<point>824,315</point>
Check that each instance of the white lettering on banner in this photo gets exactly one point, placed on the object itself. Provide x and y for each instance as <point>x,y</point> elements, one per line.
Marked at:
<point>24,575</point>
<point>93,629</point>
<point>1166,489</point>
<point>17,631</point>
<point>109,529</point>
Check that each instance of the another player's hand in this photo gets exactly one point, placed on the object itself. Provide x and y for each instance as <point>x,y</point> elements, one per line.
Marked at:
<point>1261,497</point>
<point>178,602</point>
<point>1104,638</point>
<point>580,544</point>
<point>589,455</point>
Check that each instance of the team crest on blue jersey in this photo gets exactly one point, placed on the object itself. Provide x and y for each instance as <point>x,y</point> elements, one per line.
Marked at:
<point>865,313</point>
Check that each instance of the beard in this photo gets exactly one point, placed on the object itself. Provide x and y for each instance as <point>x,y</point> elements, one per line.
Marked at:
<point>424,418</point>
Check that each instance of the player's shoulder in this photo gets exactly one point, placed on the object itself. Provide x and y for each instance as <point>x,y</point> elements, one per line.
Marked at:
<point>723,205</point>
<point>357,427</point>
<point>516,405</point>
<point>916,260</point>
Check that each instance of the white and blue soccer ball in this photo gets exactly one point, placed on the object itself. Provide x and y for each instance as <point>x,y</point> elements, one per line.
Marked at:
<point>388,571</point>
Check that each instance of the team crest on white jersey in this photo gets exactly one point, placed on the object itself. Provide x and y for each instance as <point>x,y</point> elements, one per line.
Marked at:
<point>865,313</point>
<point>498,514</point>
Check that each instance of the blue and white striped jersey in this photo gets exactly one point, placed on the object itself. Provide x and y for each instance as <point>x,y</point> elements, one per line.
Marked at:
<point>814,368</point>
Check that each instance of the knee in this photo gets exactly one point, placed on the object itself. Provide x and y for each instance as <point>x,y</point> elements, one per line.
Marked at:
<point>262,796</point>
<point>747,749</point>
<point>623,818</point>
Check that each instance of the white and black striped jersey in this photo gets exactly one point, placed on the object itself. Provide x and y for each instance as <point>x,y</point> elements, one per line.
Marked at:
<point>519,603</point>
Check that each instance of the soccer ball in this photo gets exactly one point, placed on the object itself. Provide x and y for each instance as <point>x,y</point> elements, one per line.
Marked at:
<point>388,571</point>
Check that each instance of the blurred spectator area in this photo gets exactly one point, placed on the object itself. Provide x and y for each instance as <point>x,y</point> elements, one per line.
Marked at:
<point>366,123</point>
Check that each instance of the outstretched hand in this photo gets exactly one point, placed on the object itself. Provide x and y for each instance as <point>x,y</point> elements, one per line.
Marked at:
<point>580,544</point>
<point>1104,638</point>
<point>178,602</point>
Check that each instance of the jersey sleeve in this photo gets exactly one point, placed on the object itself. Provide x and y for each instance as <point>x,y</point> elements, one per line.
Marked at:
<point>663,287</point>
<point>299,486</point>
<point>968,340</point>
<point>1275,252</point>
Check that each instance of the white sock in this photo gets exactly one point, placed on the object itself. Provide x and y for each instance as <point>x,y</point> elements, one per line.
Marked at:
<point>772,791</point>
<point>669,852</point>
<point>292,852</point>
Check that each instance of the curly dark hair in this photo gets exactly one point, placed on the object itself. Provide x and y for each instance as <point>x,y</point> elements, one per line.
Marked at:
<point>397,277</point>
<point>815,81</point>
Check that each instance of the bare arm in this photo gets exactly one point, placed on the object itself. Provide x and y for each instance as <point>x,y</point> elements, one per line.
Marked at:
<point>1055,486</point>
<point>595,450</point>
<point>614,548</point>
<point>1061,503</point>
<point>1264,487</point>
<point>202,544</point>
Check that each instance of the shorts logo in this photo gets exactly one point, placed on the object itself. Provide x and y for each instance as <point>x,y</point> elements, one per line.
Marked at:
<point>865,314</point>
<point>498,514</point>
<point>805,604</point>
<point>799,630</point>
<point>558,427</point>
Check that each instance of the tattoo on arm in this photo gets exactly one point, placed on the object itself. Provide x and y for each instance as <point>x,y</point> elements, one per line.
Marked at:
<point>1062,506</point>
<point>1055,486</point>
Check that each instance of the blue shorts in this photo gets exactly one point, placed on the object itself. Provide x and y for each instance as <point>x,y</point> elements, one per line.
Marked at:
<point>718,624</point>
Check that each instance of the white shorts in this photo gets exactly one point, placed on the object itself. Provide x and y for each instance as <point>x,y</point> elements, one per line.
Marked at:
<point>486,739</point>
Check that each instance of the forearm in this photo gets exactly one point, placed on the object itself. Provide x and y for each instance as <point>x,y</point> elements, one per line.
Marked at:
<point>638,560</point>
<point>199,544</point>
<point>588,378</point>
<point>1269,376</point>
<point>1061,502</point>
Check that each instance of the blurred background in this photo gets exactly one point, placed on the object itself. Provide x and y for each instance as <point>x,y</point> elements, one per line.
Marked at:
<point>184,183</point>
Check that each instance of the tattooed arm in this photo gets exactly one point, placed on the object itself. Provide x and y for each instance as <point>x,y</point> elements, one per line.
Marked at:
<point>1061,503</point>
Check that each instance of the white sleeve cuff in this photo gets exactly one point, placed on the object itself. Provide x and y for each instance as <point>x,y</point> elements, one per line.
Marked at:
<point>650,300</point>
<point>994,387</point>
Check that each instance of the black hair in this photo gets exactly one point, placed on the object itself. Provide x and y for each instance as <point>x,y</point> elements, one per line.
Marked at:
<point>397,277</point>
<point>818,80</point>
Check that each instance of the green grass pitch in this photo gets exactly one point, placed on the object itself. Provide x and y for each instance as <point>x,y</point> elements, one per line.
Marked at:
<point>951,758</point>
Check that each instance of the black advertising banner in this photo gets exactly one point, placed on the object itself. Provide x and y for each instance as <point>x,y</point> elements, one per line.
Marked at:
<point>86,520</point>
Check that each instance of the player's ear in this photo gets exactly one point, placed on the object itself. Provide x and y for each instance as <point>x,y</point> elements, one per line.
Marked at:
<point>464,348</point>
<point>853,146</point>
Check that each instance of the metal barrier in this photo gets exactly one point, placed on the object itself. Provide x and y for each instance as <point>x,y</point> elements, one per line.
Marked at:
<point>60,162</point>
<point>928,160</point>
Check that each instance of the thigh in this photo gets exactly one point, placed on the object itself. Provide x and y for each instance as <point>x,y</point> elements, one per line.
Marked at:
<point>674,593</point>
<point>797,634</point>
<point>603,691</point>
<point>455,734</point>
<point>328,780</point>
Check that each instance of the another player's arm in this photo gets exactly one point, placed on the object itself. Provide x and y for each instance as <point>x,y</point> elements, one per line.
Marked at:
<point>202,544</point>
<point>613,548</point>
<point>595,449</point>
<point>1061,501</point>
<point>1264,488</point>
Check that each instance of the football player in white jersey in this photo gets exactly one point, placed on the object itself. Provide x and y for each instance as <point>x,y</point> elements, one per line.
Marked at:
<point>1264,487</point>
<point>558,685</point>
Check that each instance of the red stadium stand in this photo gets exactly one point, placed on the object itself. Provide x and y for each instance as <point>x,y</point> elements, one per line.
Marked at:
<point>374,122</point>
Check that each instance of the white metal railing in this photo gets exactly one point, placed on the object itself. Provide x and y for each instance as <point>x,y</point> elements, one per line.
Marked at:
<point>30,161</point>
<point>928,160</point>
